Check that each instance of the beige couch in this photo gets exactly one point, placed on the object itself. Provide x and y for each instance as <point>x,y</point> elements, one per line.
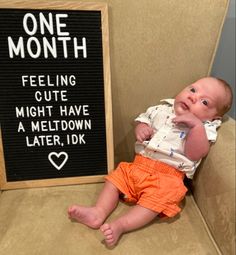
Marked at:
<point>157,47</point>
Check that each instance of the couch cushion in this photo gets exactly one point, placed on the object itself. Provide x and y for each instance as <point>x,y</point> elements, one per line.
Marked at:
<point>34,221</point>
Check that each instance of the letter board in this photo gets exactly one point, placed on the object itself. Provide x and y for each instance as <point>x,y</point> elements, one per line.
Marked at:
<point>55,98</point>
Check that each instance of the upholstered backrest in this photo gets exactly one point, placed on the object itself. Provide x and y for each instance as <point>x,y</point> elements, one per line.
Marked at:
<point>157,48</point>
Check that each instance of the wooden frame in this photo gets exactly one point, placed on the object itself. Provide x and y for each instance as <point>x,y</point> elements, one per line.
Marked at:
<point>68,5</point>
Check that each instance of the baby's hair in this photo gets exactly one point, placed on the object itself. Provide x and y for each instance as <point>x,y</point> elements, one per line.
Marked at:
<point>229,92</point>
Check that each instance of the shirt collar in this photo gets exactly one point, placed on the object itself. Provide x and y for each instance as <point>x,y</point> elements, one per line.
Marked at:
<point>169,101</point>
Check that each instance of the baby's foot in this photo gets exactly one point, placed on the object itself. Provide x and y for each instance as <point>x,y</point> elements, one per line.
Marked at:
<point>111,232</point>
<point>89,216</point>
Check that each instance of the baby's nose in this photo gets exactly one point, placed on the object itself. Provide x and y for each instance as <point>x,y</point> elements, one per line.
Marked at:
<point>193,98</point>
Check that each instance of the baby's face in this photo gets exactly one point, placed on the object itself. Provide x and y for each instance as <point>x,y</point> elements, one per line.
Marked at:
<point>202,98</point>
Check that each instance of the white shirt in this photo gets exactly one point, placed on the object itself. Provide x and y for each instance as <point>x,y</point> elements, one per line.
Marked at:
<point>167,142</point>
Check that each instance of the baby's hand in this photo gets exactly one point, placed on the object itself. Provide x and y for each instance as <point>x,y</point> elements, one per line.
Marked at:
<point>143,132</point>
<point>188,119</point>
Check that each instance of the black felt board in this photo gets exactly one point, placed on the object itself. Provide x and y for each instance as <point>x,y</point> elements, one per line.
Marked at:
<point>52,111</point>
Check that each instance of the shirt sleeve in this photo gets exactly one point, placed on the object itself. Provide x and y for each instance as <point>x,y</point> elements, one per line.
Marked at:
<point>147,117</point>
<point>211,129</point>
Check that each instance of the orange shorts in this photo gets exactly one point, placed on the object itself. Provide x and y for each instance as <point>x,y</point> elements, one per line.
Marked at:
<point>151,184</point>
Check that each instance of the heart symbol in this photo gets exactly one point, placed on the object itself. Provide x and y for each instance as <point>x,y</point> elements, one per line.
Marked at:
<point>62,155</point>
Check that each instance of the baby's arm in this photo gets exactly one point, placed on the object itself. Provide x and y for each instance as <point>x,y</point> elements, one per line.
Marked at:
<point>143,131</point>
<point>196,145</point>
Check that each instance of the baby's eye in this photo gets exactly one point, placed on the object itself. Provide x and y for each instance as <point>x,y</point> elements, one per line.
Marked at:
<point>193,90</point>
<point>204,101</point>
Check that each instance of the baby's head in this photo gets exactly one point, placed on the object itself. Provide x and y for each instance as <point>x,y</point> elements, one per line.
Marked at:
<point>208,98</point>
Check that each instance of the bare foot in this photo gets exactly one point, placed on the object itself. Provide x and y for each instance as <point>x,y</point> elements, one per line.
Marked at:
<point>89,216</point>
<point>111,232</point>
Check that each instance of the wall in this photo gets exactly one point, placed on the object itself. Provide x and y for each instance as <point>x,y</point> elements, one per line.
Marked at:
<point>224,64</point>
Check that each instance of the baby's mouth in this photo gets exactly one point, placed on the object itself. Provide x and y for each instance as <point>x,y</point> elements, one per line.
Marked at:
<point>184,106</point>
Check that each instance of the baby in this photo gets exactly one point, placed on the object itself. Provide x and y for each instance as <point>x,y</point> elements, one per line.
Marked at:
<point>172,138</point>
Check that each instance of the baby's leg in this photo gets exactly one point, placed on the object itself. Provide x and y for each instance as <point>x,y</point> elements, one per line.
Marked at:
<point>135,218</point>
<point>94,216</point>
